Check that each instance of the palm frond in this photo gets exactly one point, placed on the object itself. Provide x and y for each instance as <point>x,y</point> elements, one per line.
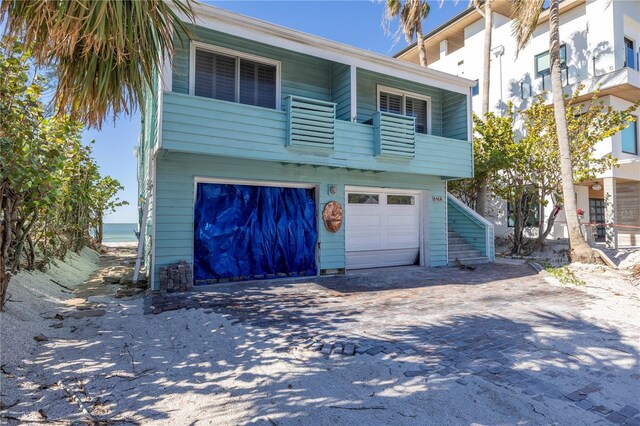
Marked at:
<point>105,52</point>
<point>525,15</point>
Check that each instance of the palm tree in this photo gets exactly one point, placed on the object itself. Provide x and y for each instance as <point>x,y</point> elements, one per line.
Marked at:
<point>526,14</point>
<point>104,52</point>
<point>487,13</point>
<point>411,13</point>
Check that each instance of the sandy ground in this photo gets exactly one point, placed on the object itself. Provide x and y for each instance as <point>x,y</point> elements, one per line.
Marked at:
<point>32,300</point>
<point>616,290</point>
<point>200,367</point>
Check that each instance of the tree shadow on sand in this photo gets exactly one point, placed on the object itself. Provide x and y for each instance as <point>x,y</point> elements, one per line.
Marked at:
<point>189,366</point>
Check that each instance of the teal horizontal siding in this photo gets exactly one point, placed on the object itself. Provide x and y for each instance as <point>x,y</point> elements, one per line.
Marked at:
<point>341,90</point>
<point>454,116</point>
<point>207,126</point>
<point>176,173</point>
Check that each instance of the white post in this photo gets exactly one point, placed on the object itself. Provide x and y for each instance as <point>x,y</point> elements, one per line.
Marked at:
<point>354,94</point>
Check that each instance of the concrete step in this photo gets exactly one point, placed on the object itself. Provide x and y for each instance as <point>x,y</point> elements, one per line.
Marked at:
<point>457,240</point>
<point>464,254</point>
<point>460,247</point>
<point>469,260</point>
<point>462,250</point>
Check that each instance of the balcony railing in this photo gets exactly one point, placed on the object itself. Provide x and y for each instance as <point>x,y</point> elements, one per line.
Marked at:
<point>193,124</point>
<point>394,135</point>
<point>311,123</point>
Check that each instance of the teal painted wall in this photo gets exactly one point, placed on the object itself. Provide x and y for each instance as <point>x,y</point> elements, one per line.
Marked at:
<point>341,90</point>
<point>367,105</point>
<point>302,75</point>
<point>176,173</point>
<point>208,126</point>
<point>454,116</point>
<point>311,77</point>
<point>448,109</point>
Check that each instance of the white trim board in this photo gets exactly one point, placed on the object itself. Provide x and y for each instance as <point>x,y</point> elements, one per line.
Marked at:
<point>249,182</point>
<point>254,29</point>
<point>354,93</point>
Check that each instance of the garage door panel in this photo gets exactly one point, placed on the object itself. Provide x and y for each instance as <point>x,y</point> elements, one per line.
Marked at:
<point>244,231</point>
<point>367,242</point>
<point>407,239</point>
<point>367,220</point>
<point>380,258</point>
<point>393,238</point>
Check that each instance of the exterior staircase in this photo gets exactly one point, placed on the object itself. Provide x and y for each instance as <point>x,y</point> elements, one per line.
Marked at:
<point>460,249</point>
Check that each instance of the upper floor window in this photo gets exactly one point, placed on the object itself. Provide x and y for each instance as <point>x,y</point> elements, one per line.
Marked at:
<point>404,103</point>
<point>543,62</point>
<point>629,54</point>
<point>234,77</point>
<point>630,138</point>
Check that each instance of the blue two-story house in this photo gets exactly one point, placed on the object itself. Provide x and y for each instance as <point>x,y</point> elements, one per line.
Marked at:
<point>267,152</point>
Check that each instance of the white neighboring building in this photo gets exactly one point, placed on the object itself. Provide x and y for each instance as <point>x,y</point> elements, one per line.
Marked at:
<point>600,39</point>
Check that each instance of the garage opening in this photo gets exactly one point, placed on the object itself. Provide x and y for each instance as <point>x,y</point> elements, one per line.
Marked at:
<point>253,232</point>
<point>383,228</point>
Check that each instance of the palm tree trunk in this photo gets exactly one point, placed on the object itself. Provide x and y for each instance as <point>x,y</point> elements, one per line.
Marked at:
<point>580,251</point>
<point>481,200</point>
<point>99,230</point>
<point>486,76</point>
<point>6,195</point>
<point>422,51</point>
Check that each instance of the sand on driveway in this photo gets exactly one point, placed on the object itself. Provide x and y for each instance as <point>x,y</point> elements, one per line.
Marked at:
<point>499,345</point>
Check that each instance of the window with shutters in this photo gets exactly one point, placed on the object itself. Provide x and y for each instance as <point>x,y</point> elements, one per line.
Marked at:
<point>390,103</point>
<point>404,103</point>
<point>234,77</point>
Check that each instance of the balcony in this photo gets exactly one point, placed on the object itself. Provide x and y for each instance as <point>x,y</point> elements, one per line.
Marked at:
<point>307,134</point>
<point>623,83</point>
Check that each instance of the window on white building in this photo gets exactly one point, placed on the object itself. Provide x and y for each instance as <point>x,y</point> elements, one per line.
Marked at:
<point>630,138</point>
<point>533,219</point>
<point>629,54</point>
<point>542,62</point>
<point>475,90</point>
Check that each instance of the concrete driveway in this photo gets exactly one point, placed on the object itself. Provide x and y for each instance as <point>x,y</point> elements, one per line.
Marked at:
<point>501,325</point>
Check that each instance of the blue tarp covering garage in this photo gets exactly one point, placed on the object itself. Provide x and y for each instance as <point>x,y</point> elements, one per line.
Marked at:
<point>251,232</point>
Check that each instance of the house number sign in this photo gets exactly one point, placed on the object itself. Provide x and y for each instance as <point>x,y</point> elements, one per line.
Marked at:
<point>332,216</point>
<point>436,198</point>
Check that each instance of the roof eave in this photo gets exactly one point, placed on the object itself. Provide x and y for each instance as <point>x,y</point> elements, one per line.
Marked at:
<point>320,47</point>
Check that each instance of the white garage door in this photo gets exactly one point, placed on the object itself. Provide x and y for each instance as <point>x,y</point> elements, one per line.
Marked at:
<point>382,228</point>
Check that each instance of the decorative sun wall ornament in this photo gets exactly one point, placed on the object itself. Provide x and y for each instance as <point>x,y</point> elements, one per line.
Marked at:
<point>332,216</point>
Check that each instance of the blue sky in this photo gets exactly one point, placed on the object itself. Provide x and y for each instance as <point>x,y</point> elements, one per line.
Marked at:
<point>357,23</point>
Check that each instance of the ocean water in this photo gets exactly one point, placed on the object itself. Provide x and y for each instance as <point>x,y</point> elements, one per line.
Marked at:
<point>119,233</point>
